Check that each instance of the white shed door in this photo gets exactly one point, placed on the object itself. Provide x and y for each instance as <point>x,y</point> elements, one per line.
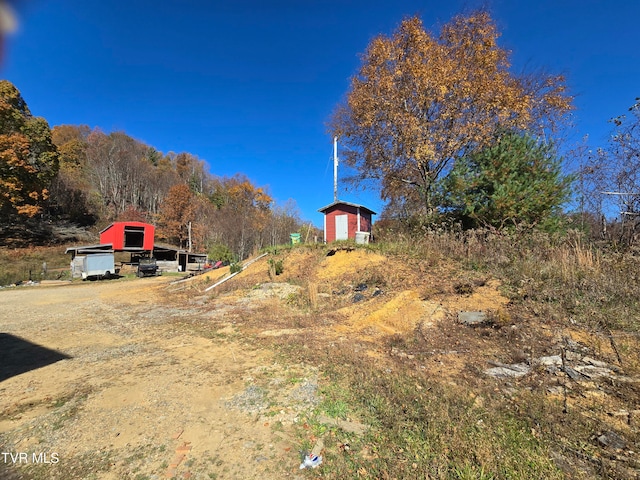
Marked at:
<point>342,227</point>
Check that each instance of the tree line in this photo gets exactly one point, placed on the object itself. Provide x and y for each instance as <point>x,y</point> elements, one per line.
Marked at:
<point>84,176</point>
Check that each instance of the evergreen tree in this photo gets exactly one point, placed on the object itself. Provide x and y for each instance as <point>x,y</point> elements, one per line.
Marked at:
<point>516,181</point>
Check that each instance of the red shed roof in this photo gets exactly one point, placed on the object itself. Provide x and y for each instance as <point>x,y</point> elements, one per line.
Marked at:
<point>127,224</point>
<point>339,202</point>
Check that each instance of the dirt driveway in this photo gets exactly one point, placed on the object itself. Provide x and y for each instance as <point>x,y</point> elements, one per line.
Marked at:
<point>107,380</point>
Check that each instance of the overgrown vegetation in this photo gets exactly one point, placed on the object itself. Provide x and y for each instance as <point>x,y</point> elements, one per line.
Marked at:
<point>276,267</point>
<point>610,179</point>
<point>516,181</point>
<point>465,425</point>
<point>427,429</point>
<point>36,264</point>
<point>235,267</point>
<point>556,277</point>
<point>220,252</point>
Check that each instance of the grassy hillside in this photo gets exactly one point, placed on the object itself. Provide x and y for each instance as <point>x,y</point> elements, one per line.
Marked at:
<point>546,387</point>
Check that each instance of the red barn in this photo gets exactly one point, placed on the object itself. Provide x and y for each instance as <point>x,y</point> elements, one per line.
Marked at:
<point>343,220</point>
<point>128,236</point>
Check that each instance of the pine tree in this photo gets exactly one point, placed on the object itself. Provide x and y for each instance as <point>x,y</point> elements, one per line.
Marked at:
<point>516,181</point>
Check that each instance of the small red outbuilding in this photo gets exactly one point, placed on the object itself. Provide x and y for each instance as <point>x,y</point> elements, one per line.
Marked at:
<point>128,236</point>
<point>343,220</point>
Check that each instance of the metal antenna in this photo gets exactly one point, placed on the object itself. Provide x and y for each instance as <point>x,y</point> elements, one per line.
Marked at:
<point>335,169</point>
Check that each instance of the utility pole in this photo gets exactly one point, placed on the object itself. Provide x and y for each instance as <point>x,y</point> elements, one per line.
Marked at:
<point>335,169</point>
<point>189,228</point>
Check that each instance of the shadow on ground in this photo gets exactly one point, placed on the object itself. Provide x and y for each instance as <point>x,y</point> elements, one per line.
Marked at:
<point>18,356</point>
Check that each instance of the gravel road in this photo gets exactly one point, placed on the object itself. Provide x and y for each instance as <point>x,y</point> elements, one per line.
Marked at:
<point>106,380</point>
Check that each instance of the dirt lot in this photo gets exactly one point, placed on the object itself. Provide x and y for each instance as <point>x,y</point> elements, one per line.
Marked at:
<point>124,390</point>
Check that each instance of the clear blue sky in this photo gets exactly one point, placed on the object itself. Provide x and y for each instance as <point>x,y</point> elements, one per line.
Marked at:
<point>248,85</point>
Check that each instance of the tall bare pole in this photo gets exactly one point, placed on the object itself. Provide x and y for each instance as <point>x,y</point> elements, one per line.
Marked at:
<point>335,169</point>
<point>189,229</point>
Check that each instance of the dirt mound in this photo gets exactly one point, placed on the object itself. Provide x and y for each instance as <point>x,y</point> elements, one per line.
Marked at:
<point>400,314</point>
<point>344,263</point>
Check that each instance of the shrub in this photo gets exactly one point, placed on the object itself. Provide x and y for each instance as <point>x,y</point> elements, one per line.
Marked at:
<point>276,267</point>
<point>219,251</point>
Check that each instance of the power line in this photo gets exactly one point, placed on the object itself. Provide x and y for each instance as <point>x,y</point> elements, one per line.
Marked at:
<point>620,193</point>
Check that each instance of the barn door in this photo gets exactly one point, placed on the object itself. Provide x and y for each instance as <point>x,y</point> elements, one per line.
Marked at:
<point>342,227</point>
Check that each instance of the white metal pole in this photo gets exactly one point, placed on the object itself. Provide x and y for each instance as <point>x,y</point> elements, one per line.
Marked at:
<point>335,169</point>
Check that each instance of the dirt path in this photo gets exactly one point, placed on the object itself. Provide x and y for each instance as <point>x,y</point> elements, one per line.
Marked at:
<point>125,389</point>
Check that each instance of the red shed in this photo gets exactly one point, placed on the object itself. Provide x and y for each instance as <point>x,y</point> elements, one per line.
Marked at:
<point>342,220</point>
<point>129,236</point>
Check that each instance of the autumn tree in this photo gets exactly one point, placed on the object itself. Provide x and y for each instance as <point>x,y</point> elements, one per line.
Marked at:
<point>243,214</point>
<point>191,171</point>
<point>127,173</point>
<point>420,101</point>
<point>248,208</point>
<point>283,221</point>
<point>116,169</point>
<point>177,211</point>
<point>28,158</point>
<point>516,181</point>
<point>72,195</point>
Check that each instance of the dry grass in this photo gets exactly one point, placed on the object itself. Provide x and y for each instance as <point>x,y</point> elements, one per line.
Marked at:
<point>567,278</point>
<point>312,289</point>
<point>435,415</point>
<point>21,265</point>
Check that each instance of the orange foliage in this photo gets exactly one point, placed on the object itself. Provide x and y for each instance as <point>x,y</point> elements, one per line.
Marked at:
<point>177,210</point>
<point>19,186</point>
<point>245,194</point>
<point>419,101</point>
<point>28,159</point>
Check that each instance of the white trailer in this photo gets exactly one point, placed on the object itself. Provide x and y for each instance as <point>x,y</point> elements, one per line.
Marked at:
<point>98,265</point>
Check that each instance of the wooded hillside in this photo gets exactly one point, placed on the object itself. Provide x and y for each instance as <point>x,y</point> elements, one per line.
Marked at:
<point>76,175</point>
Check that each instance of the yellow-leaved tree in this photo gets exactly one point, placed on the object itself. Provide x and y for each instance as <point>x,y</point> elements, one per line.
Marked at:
<point>28,158</point>
<point>177,210</point>
<point>420,101</point>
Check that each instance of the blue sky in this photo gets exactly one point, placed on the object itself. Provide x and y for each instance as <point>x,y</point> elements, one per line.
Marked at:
<point>247,86</point>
